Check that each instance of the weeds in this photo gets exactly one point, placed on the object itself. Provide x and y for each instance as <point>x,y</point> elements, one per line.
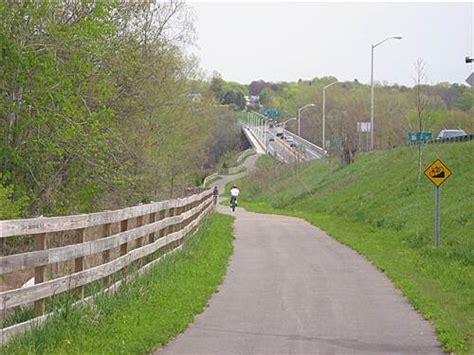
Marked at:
<point>374,207</point>
<point>146,312</point>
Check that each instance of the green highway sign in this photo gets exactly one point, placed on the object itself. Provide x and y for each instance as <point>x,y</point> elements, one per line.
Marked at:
<point>423,137</point>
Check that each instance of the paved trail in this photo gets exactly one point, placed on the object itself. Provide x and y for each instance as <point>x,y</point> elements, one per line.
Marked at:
<point>291,289</point>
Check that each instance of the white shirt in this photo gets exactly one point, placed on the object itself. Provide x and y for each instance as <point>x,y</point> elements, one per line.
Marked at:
<point>234,192</point>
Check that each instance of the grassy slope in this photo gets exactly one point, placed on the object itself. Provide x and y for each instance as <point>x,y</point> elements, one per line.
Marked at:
<point>374,207</point>
<point>149,311</point>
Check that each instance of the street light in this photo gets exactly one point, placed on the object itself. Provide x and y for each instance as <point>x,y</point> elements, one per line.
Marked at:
<point>324,112</point>
<point>299,111</point>
<point>372,88</point>
<point>288,120</point>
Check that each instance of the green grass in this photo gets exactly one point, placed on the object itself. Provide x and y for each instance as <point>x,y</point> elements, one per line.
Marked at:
<point>264,161</point>
<point>148,311</point>
<point>375,207</point>
<point>212,180</point>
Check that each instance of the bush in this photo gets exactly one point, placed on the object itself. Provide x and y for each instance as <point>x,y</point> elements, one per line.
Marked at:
<point>10,207</point>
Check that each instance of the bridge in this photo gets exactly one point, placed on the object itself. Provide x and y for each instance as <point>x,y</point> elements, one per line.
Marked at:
<point>289,148</point>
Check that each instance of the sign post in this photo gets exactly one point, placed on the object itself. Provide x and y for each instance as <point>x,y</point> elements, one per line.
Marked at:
<point>437,218</point>
<point>437,173</point>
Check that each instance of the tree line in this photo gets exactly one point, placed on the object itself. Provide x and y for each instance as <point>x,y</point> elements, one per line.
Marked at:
<point>101,107</point>
<point>397,108</point>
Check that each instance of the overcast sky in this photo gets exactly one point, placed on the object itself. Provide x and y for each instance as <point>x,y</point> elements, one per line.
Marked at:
<point>287,41</point>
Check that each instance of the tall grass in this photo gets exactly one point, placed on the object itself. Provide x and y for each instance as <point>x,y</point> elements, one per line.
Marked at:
<point>375,207</point>
<point>146,312</point>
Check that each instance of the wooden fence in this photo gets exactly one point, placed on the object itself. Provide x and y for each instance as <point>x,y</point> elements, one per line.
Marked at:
<point>117,239</point>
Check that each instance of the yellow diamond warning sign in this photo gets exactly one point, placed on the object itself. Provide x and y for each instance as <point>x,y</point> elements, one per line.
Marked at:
<point>438,173</point>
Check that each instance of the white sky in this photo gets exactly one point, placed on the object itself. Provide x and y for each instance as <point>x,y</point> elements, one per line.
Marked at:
<point>287,41</point>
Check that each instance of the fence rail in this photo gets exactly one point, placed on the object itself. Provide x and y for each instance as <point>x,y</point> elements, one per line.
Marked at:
<point>466,138</point>
<point>160,226</point>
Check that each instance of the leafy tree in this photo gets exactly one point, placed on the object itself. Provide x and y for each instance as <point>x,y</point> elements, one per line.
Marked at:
<point>265,97</point>
<point>255,87</point>
<point>217,85</point>
<point>100,107</point>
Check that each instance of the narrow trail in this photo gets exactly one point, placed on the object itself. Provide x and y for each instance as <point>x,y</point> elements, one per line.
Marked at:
<point>291,289</point>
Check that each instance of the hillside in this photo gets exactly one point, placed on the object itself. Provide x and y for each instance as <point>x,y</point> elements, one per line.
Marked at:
<point>375,207</point>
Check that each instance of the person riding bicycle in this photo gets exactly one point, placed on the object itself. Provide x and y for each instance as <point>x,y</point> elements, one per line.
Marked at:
<point>234,195</point>
<point>215,194</point>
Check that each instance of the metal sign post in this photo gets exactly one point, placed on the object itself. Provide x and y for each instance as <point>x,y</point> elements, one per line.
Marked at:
<point>437,173</point>
<point>437,218</point>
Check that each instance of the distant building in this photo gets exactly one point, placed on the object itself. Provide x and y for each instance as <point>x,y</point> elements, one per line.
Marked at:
<point>252,102</point>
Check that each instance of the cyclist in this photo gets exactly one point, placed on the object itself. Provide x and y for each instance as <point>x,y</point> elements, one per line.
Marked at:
<point>234,195</point>
<point>215,194</point>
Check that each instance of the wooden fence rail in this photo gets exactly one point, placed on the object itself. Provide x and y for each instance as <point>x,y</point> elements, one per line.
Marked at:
<point>160,226</point>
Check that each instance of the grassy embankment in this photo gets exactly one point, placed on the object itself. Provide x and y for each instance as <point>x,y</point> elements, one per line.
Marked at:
<point>148,311</point>
<point>375,207</point>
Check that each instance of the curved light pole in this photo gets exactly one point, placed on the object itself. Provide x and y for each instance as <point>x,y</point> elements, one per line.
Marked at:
<point>372,88</point>
<point>324,112</point>
<point>288,120</point>
<point>299,111</point>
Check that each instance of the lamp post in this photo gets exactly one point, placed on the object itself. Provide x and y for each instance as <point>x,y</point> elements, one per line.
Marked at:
<point>324,112</point>
<point>299,112</point>
<point>288,120</point>
<point>372,88</point>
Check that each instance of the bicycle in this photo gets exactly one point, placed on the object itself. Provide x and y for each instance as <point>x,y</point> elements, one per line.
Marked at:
<point>233,203</point>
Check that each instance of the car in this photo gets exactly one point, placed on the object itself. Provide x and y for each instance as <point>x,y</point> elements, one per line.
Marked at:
<point>279,131</point>
<point>450,133</point>
<point>289,139</point>
<point>271,139</point>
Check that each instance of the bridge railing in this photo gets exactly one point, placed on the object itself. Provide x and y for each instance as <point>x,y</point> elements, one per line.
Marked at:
<point>98,246</point>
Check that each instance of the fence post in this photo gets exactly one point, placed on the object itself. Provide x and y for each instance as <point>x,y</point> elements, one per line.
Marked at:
<point>152,219</point>
<point>139,242</point>
<point>151,236</point>
<point>172,228</point>
<point>106,253</point>
<point>40,244</point>
<point>163,215</point>
<point>163,231</point>
<point>79,262</point>
<point>179,212</point>
<point>187,208</point>
<point>124,246</point>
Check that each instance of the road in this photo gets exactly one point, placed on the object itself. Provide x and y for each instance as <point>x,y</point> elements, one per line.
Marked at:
<point>306,150</point>
<point>291,289</point>
<point>282,150</point>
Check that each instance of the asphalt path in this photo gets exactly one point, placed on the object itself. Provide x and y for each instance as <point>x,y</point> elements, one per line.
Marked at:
<point>291,289</point>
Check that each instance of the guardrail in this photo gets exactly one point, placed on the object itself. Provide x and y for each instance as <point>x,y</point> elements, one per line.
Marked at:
<point>105,244</point>
<point>320,150</point>
<point>253,138</point>
<point>465,138</point>
<point>294,153</point>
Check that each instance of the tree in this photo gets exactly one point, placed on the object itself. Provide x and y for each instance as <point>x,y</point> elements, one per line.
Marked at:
<point>420,105</point>
<point>255,87</point>
<point>100,106</point>
<point>265,97</point>
<point>217,85</point>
